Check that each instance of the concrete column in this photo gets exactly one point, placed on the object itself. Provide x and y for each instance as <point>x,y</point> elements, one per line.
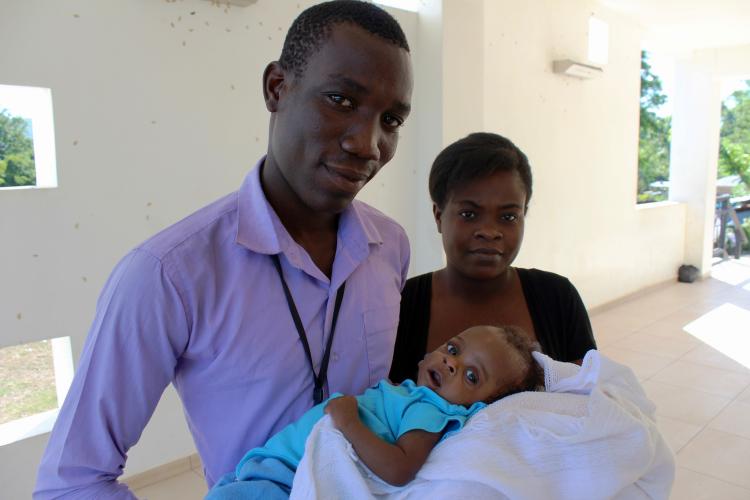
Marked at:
<point>450,99</point>
<point>427,104</point>
<point>694,157</point>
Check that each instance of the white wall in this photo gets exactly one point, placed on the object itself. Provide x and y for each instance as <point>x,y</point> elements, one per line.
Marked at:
<point>152,122</point>
<point>581,137</point>
<point>731,61</point>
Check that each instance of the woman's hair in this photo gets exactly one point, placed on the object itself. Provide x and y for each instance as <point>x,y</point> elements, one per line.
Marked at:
<point>313,27</point>
<point>531,377</point>
<point>476,156</point>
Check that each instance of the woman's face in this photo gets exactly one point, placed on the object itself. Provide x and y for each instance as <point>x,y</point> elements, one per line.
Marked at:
<point>482,225</point>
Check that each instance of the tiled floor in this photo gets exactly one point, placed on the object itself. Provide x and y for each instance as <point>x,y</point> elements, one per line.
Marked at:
<point>689,344</point>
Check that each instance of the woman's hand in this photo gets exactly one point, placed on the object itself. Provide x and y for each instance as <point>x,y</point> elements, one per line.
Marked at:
<point>343,412</point>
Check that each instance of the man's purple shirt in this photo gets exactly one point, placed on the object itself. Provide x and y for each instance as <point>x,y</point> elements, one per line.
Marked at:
<point>201,305</point>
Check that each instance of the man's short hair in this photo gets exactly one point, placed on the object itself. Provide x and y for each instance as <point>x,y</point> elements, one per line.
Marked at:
<point>313,27</point>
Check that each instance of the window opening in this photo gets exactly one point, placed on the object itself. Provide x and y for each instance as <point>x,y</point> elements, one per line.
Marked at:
<point>655,127</point>
<point>34,380</point>
<point>732,220</point>
<point>27,142</point>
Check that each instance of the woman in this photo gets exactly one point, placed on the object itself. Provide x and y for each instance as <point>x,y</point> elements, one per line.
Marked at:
<point>480,187</point>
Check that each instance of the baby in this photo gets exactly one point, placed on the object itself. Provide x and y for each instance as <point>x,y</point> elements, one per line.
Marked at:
<point>394,428</point>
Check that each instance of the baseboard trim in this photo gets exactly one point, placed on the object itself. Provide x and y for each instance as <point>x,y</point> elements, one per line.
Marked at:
<point>164,471</point>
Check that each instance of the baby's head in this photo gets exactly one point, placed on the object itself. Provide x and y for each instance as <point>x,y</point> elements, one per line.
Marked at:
<point>482,363</point>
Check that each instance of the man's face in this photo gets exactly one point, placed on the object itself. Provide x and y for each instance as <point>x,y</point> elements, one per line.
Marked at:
<point>337,124</point>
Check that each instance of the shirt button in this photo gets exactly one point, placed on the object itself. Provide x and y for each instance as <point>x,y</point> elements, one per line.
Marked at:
<point>335,356</point>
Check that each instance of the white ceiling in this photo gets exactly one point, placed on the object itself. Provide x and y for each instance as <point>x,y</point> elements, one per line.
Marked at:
<point>680,26</point>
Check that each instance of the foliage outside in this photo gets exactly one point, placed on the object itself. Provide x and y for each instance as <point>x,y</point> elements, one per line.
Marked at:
<point>655,135</point>
<point>734,148</point>
<point>16,152</point>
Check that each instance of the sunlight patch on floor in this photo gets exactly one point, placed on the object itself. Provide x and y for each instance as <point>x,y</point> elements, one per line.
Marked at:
<point>731,273</point>
<point>726,329</point>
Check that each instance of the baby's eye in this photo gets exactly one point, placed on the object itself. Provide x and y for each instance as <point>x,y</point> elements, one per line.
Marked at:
<point>451,349</point>
<point>467,214</point>
<point>510,217</point>
<point>471,377</point>
<point>341,100</point>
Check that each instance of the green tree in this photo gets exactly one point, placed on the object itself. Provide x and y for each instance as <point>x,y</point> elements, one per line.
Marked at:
<point>655,135</point>
<point>16,152</point>
<point>734,146</point>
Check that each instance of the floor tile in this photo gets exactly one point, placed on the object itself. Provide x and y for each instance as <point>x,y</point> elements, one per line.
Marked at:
<point>607,335</point>
<point>719,454</point>
<point>685,405</point>
<point>659,346</point>
<point>731,272</point>
<point>735,419</point>
<point>709,356</point>
<point>673,325</point>
<point>744,396</point>
<point>644,365</point>
<point>610,324</point>
<point>196,464</point>
<point>703,378</point>
<point>186,486</point>
<point>631,318</point>
<point>690,485</point>
<point>701,289</point>
<point>659,302</point>
<point>741,300</point>
<point>675,432</point>
<point>725,328</point>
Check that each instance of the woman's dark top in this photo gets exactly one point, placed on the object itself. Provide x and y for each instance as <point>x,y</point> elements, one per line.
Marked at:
<point>561,323</point>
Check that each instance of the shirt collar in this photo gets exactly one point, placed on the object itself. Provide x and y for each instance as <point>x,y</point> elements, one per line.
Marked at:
<point>259,228</point>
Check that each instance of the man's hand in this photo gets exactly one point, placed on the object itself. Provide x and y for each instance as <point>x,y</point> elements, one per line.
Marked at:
<point>343,412</point>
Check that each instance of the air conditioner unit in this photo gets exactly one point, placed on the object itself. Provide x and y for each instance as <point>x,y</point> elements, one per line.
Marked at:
<point>576,69</point>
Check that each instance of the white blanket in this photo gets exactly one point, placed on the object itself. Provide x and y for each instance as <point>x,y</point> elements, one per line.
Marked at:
<point>591,435</point>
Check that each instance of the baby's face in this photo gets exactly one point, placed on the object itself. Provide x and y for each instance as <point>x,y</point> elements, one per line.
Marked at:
<point>475,365</point>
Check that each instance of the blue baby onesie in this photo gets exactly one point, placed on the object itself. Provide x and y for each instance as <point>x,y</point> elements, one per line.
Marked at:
<point>388,410</point>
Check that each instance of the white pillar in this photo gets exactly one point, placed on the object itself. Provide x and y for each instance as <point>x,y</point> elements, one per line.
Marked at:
<point>694,157</point>
<point>427,249</point>
<point>62,359</point>
<point>450,98</point>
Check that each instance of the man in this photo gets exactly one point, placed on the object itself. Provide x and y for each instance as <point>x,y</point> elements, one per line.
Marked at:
<point>237,304</point>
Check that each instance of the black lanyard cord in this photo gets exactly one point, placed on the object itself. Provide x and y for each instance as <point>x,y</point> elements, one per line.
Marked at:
<point>320,378</point>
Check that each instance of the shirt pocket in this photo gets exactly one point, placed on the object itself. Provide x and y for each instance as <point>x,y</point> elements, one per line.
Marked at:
<point>380,326</point>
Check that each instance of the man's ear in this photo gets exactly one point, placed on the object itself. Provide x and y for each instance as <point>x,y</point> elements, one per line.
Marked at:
<point>437,213</point>
<point>274,84</point>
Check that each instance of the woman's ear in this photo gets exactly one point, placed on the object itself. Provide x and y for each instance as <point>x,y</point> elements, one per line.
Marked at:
<point>437,213</point>
<point>274,83</point>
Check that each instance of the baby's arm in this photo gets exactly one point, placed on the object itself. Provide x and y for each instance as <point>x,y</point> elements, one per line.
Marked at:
<point>397,463</point>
